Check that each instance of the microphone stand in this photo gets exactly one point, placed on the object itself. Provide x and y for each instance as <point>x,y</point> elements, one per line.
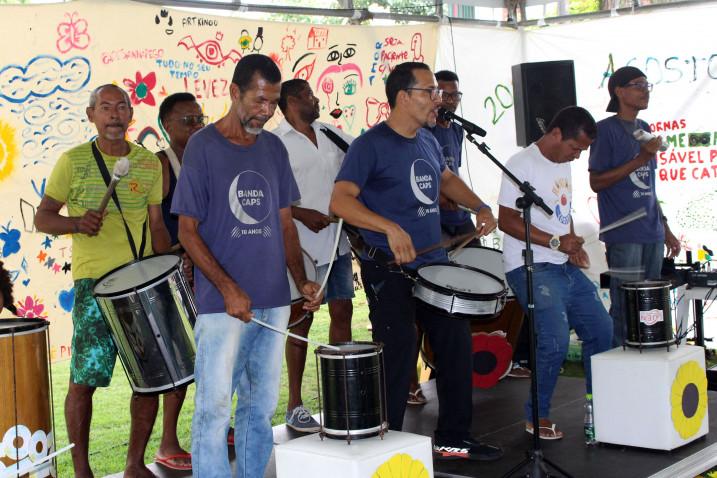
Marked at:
<point>535,465</point>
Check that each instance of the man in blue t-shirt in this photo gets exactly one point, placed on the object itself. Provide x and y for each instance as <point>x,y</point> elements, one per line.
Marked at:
<point>388,187</point>
<point>622,173</point>
<point>233,200</point>
<point>454,221</point>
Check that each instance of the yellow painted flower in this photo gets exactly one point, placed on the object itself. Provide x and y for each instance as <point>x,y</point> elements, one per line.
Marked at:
<point>689,399</point>
<point>401,465</point>
<point>8,150</point>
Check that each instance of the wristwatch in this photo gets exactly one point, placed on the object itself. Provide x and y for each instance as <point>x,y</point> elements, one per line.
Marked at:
<point>554,242</point>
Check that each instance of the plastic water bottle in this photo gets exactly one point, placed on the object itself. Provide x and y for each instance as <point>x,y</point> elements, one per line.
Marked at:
<point>589,421</point>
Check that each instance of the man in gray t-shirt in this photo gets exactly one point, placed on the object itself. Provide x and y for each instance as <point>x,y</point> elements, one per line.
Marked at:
<point>233,200</point>
<point>622,173</point>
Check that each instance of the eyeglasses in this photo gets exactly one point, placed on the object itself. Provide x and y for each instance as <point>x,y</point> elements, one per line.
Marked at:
<point>452,96</point>
<point>435,93</point>
<point>640,85</point>
<point>191,120</point>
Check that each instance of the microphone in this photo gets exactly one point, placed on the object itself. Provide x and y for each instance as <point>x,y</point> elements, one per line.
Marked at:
<point>470,128</point>
<point>643,137</point>
<point>118,172</point>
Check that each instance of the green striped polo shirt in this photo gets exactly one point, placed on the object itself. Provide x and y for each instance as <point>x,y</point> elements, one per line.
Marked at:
<point>76,181</point>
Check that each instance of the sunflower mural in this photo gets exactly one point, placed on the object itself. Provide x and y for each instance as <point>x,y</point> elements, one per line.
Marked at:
<point>401,465</point>
<point>8,150</point>
<point>688,399</point>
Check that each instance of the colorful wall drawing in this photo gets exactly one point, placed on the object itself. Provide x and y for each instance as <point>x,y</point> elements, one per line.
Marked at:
<point>68,49</point>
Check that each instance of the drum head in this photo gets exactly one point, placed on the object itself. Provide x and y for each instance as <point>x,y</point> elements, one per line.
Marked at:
<point>483,258</point>
<point>349,348</point>
<point>646,285</point>
<point>459,278</point>
<point>136,275</point>
<point>15,326</point>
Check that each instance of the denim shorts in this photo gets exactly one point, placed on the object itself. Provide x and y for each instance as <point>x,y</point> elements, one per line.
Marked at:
<point>93,351</point>
<point>341,280</point>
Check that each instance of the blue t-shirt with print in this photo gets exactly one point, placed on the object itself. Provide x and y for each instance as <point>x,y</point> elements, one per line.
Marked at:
<point>399,179</point>
<point>613,147</point>
<point>451,141</point>
<point>235,192</point>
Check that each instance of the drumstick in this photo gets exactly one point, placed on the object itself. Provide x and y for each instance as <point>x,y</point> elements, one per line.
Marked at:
<point>331,262</point>
<point>467,209</point>
<point>328,270</point>
<point>37,464</point>
<point>444,244</point>
<point>460,247</point>
<point>298,337</point>
<point>633,216</point>
<point>118,172</point>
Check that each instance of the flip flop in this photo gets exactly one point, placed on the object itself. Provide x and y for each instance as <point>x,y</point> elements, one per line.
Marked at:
<point>546,433</point>
<point>416,398</point>
<point>172,461</point>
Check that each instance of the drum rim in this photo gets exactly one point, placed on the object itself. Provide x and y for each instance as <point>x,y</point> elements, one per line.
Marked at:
<point>655,285</point>
<point>480,247</point>
<point>33,324</point>
<point>460,294</point>
<point>458,315</point>
<point>325,351</point>
<point>143,285</point>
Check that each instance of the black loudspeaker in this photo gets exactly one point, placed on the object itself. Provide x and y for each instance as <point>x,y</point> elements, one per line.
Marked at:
<point>540,90</point>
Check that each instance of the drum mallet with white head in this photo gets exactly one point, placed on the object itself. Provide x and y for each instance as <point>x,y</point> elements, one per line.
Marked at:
<point>120,170</point>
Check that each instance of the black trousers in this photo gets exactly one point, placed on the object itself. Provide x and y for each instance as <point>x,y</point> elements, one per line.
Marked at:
<point>393,313</point>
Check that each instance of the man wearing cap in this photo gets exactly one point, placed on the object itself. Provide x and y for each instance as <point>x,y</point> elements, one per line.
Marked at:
<point>622,173</point>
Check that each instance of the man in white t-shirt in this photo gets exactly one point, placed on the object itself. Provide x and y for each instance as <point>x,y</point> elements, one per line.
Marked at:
<point>564,297</point>
<point>316,151</point>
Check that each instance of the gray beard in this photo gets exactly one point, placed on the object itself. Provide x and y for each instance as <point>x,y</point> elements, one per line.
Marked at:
<point>254,131</point>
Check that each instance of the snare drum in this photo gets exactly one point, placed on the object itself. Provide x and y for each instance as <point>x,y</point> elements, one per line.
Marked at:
<point>311,274</point>
<point>353,390</point>
<point>648,314</point>
<point>26,429</point>
<point>459,291</point>
<point>149,309</point>
<point>482,258</point>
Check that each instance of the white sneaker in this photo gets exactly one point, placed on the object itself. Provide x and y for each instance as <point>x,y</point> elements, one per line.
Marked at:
<point>300,419</point>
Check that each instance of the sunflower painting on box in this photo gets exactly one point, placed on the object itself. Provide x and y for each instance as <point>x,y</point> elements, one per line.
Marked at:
<point>688,399</point>
<point>401,465</point>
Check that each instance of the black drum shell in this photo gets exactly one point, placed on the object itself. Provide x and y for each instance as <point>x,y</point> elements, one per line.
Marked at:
<point>352,390</point>
<point>644,296</point>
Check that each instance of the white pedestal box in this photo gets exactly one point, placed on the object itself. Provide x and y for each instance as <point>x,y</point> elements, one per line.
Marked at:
<point>311,457</point>
<point>654,399</point>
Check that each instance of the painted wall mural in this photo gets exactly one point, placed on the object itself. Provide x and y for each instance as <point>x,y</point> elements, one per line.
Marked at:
<point>70,48</point>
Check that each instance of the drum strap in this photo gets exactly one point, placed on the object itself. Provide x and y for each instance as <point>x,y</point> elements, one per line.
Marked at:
<point>106,176</point>
<point>363,250</point>
<point>336,139</point>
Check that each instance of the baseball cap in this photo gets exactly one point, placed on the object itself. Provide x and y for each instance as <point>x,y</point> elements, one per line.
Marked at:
<point>621,77</point>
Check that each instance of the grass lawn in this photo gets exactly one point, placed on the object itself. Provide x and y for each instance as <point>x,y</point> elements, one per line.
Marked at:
<point>110,421</point>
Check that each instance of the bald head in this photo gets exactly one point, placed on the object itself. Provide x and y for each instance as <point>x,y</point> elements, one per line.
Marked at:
<point>96,93</point>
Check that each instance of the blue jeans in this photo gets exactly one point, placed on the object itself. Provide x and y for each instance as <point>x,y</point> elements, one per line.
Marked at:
<point>231,352</point>
<point>630,262</point>
<point>340,285</point>
<point>564,299</point>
